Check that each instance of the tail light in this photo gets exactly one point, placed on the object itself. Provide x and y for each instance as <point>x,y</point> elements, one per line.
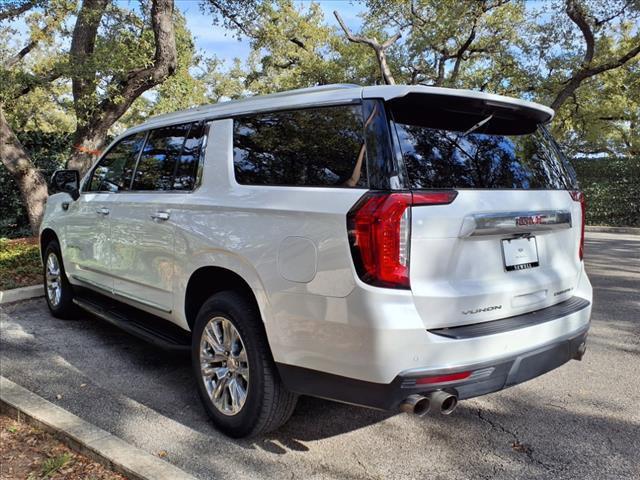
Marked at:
<point>578,196</point>
<point>379,227</point>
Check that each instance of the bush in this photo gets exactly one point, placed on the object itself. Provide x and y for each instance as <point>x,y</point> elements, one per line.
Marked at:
<point>612,190</point>
<point>49,151</point>
<point>19,263</point>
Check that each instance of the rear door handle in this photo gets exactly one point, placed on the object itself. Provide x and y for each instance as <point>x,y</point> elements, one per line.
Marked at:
<point>102,211</point>
<point>162,216</point>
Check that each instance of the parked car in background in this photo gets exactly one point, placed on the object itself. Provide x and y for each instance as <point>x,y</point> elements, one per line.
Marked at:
<point>396,247</point>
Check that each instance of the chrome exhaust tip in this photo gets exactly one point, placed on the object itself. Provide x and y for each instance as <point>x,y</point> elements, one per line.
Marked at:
<point>582,348</point>
<point>443,402</point>
<point>416,404</point>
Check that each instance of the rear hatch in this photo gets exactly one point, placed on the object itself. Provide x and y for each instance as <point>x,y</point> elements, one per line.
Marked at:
<point>510,242</point>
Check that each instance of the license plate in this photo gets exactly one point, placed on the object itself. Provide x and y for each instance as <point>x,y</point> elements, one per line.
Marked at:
<point>520,253</point>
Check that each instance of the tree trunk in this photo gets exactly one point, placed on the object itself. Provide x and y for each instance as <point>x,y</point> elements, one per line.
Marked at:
<point>87,147</point>
<point>387,76</point>
<point>31,183</point>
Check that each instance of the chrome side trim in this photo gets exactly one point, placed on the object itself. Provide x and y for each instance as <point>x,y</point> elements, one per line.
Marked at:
<point>128,296</point>
<point>119,293</point>
<point>515,222</point>
<point>95,285</point>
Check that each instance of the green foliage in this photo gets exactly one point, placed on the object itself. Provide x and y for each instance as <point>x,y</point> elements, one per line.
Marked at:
<point>53,464</point>
<point>612,190</point>
<point>19,263</point>
<point>49,152</point>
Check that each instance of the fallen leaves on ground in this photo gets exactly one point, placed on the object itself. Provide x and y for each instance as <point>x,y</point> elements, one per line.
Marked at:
<point>29,453</point>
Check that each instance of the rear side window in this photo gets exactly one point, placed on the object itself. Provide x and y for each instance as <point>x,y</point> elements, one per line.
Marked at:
<point>312,147</point>
<point>159,158</point>
<point>113,173</point>
<point>443,158</point>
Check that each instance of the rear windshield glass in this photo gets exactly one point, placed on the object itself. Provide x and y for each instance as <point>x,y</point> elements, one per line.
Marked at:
<point>439,158</point>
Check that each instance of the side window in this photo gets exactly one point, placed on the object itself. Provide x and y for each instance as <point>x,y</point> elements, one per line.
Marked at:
<point>187,165</point>
<point>311,147</point>
<point>158,159</point>
<point>113,173</point>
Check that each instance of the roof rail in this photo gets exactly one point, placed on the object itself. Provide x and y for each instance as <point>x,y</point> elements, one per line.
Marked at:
<point>319,88</point>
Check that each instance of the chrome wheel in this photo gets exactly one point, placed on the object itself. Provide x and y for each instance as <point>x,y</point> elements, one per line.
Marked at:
<point>53,280</point>
<point>224,365</point>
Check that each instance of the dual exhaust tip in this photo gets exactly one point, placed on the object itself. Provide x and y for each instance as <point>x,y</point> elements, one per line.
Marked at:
<point>438,401</point>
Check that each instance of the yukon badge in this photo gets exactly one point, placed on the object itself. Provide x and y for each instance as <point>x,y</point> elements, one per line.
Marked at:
<point>481,310</point>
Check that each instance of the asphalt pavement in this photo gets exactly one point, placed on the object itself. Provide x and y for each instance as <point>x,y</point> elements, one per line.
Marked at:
<point>579,421</point>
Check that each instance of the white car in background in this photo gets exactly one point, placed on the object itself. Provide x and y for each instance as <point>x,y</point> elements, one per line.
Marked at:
<point>396,247</point>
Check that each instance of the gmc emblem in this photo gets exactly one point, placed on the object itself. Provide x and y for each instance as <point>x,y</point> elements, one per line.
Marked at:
<point>530,220</point>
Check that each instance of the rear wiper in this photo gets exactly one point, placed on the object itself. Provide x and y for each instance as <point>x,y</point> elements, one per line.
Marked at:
<point>477,125</point>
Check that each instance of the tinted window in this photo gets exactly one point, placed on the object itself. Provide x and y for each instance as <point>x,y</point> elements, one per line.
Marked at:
<point>189,160</point>
<point>159,156</point>
<point>438,158</point>
<point>113,173</point>
<point>314,147</point>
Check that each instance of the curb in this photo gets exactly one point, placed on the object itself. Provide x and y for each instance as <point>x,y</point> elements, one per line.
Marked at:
<point>603,229</point>
<point>23,293</point>
<point>83,437</point>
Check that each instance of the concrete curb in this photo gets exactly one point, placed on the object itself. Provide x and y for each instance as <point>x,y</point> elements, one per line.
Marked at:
<point>23,293</point>
<point>603,229</point>
<point>83,437</point>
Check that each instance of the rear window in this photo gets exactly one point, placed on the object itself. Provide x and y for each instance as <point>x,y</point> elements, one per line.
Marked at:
<point>321,147</point>
<point>443,158</point>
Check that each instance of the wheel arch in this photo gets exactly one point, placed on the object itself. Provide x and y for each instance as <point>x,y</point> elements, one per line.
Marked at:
<point>46,236</point>
<point>209,280</point>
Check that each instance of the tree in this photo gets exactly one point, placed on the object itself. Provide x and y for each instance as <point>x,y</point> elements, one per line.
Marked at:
<point>441,37</point>
<point>100,98</point>
<point>98,106</point>
<point>380,48</point>
<point>595,20</point>
<point>16,83</point>
<point>293,47</point>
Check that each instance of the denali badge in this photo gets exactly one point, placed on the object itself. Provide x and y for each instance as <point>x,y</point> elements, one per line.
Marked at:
<point>480,310</point>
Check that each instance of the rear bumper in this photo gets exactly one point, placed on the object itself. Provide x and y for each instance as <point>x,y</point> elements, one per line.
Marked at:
<point>487,377</point>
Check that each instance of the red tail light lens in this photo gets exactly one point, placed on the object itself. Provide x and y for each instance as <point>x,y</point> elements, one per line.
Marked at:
<point>451,377</point>
<point>579,197</point>
<point>379,227</point>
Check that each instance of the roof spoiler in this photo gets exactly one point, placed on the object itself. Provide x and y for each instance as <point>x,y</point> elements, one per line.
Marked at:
<point>455,109</point>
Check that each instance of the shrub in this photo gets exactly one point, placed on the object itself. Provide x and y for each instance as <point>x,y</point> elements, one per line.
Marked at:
<point>612,190</point>
<point>19,263</point>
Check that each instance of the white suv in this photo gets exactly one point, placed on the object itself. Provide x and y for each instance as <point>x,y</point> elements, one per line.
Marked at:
<point>396,247</point>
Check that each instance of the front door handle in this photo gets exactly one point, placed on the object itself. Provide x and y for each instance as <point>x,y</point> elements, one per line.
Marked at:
<point>102,211</point>
<point>162,216</point>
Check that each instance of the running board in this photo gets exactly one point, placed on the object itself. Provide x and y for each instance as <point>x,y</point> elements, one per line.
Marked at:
<point>145,326</point>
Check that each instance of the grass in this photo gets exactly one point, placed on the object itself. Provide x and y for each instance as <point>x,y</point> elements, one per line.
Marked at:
<point>19,263</point>
<point>53,464</point>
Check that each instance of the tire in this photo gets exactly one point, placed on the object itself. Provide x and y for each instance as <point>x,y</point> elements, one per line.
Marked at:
<point>61,306</point>
<point>267,404</point>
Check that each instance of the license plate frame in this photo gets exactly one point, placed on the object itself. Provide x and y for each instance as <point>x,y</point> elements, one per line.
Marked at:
<point>520,253</point>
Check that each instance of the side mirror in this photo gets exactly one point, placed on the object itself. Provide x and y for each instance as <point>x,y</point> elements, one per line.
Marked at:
<point>65,181</point>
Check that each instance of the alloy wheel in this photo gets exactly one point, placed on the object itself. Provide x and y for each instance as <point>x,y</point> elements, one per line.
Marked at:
<point>53,280</point>
<point>224,366</point>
